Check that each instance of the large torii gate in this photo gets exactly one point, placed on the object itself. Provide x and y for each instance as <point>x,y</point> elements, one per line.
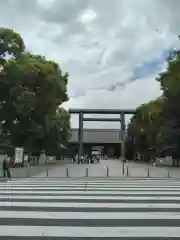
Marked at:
<point>121,119</point>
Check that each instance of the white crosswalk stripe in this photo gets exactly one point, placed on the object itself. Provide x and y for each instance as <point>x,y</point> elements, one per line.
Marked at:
<point>34,209</point>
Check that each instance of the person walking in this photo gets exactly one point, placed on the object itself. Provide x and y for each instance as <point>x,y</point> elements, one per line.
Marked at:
<point>29,160</point>
<point>6,167</point>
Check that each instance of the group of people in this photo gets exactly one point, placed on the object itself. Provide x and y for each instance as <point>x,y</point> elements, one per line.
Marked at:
<point>86,159</point>
<point>33,160</point>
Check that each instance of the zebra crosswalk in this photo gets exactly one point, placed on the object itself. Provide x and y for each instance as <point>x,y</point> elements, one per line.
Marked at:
<point>130,209</point>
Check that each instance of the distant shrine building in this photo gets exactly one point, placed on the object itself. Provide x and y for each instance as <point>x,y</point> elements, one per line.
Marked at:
<point>108,140</point>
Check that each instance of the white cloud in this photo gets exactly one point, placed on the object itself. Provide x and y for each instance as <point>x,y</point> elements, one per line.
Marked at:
<point>99,43</point>
<point>88,16</point>
<point>128,97</point>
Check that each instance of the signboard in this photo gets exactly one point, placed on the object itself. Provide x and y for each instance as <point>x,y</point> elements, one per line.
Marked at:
<point>97,147</point>
<point>96,152</point>
<point>19,155</point>
<point>51,159</point>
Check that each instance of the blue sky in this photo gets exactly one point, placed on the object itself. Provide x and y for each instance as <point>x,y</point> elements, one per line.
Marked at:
<point>151,66</point>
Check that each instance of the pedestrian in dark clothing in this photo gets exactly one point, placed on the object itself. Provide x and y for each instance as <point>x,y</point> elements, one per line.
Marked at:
<point>73,159</point>
<point>29,160</point>
<point>6,167</point>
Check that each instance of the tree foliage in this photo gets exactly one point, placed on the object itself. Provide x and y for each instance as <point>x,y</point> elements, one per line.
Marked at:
<point>157,123</point>
<point>11,45</point>
<point>145,124</point>
<point>31,93</point>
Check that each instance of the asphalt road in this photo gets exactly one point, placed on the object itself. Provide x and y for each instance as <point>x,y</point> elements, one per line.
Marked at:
<point>51,209</point>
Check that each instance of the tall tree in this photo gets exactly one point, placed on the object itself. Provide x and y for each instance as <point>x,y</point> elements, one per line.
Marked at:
<point>57,132</point>
<point>170,86</point>
<point>163,128</point>
<point>33,89</point>
<point>11,47</point>
<point>36,88</point>
<point>145,125</point>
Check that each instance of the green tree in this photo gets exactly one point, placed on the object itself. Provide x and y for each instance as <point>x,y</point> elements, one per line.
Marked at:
<point>160,125</point>
<point>11,45</point>
<point>57,132</point>
<point>145,125</point>
<point>170,86</point>
<point>32,91</point>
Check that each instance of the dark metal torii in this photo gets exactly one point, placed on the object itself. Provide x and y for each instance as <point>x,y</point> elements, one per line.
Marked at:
<point>121,119</point>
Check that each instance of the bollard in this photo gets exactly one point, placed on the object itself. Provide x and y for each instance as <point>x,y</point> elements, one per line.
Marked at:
<point>169,174</point>
<point>86,172</point>
<point>148,173</point>
<point>67,173</point>
<point>107,171</point>
<point>127,172</point>
<point>47,173</point>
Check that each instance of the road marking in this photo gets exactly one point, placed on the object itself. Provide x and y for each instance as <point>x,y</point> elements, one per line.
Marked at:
<point>90,197</point>
<point>37,231</point>
<point>88,188</point>
<point>88,215</point>
<point>87,205</point>
<point>56,192</point>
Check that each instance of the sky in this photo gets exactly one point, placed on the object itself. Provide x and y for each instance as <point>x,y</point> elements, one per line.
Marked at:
<point>112,49</point>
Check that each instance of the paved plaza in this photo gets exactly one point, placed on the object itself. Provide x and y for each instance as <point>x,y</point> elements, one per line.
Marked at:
<point>110,168</point>
<point>106,168</point>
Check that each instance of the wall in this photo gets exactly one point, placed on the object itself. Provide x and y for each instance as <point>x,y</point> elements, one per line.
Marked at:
<point>97,136</point>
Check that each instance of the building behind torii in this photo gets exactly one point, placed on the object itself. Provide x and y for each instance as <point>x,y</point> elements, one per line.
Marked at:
<point>108,139</point>
<point>81,135</point>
